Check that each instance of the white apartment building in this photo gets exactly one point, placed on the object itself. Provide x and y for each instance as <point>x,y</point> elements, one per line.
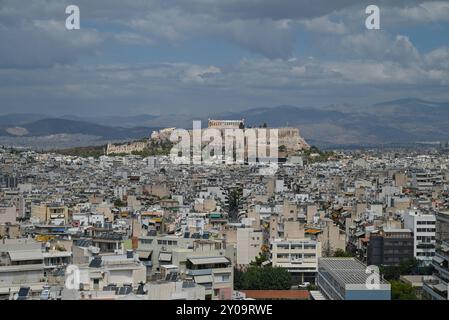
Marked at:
<point>249,243</point>
<point>298,256</point>
<point>424,231</point>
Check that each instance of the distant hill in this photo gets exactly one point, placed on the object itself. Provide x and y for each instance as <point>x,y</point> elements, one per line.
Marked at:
<point>45,127</point>
<point>400,121</point>
<point>15,119</point>
<point>141,120</point>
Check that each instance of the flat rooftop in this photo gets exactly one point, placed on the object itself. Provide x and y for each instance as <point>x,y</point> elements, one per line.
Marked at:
<point>345,270</point>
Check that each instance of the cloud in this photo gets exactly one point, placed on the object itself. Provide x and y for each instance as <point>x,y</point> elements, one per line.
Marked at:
<point>132,38</point>
<point>325,25</point>
<point>44,66</point>
<point>265,27</point>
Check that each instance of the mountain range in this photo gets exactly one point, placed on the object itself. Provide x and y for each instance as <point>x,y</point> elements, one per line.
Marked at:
<point>399,121</point>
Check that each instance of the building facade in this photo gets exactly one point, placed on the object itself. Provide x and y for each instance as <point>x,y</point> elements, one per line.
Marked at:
<point>390,246</point>
<point>347,279</point>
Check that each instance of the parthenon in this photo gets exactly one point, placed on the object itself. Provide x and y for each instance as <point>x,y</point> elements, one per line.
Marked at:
<point>223,124</point>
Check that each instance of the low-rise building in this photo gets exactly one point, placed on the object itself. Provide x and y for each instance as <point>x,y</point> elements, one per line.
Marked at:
<point>390,246</point>
<point>298,256</point>
<point>347,279</point>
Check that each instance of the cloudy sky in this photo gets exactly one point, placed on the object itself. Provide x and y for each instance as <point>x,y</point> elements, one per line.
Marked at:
<point>196,56</point>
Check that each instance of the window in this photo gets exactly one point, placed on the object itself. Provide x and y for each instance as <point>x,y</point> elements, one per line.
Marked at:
<point>222,278</point>
<point>146,241</point>
<point>309,246</point>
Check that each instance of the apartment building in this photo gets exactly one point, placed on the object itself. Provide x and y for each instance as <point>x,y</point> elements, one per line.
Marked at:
<point>390,246</point>
<point>8,214</point>
<point>215,273</point>
<point>21,264</point>
<point>298,256</point>
<point>436,286</point>
<point>112,269</point>
<point>346,279</point>
<point>156,250</point>
<point>423,226</point>
<point>249,243</point>
<point>50,213</point>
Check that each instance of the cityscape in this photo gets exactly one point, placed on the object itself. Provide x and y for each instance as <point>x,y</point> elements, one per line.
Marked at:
<point>123,225</point>
<point>244,152</point>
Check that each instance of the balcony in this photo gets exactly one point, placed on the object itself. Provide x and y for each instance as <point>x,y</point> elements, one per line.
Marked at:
<point>198,272</point>
<point>436,288</point>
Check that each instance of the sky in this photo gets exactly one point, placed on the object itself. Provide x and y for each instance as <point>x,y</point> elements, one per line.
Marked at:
<point>209,56</point>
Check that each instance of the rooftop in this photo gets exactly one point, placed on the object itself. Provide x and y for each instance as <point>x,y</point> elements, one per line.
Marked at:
<point>277,294</point>
<point>346,270</point>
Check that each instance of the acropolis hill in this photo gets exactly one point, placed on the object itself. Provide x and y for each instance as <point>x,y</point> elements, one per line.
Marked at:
<point>289,137</point>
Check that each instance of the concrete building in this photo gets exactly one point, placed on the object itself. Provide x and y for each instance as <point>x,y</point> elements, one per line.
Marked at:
<point>298,256</point>
<point>176,290</point>
<point>390,246</point>
<point>442,226</point>
<point>436,287</point>
<point>215,273</point>
<point>8,215</point>
<point>115,269</point>
<point>346,279</point>
<point>50,213</point>
<point>249,243</point>
<point>21,264</point>
<point>423,227</point>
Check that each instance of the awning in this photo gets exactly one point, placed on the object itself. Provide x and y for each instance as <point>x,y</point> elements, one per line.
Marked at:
<point>438,259</point>
<point>23,255</point>
<point>210,260</point>
<point>166,257</point>
<point>203,279</point>
<point>441,287</point>
<point>144,254</point>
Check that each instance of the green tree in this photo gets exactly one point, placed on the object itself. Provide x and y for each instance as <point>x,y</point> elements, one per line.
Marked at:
<point>238,279</point>
<point>402,291</point>
<point>263,279</point>
<point>234,204</point>
<point>340,253</point>
<point>408,266</point>
<point>390,272</point>
<point>263,256</point>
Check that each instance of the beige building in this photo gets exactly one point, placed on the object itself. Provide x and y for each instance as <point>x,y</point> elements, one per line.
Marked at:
<point>249,244</point>
<point>50,213</point>
<point>400,179</point>
<point>8,214</point>
<point>298,256</point>
<point>175,290</point>
<point>293,230</point>
<point>205,205</point>
<point>332,238</point>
